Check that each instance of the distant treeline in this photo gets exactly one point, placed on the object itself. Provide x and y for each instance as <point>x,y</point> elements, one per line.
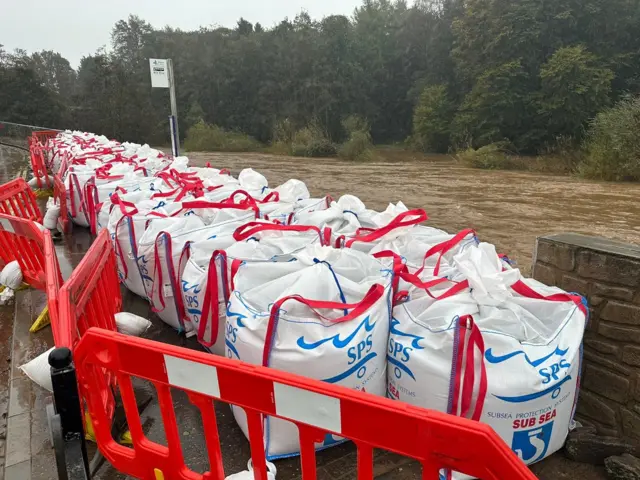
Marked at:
<point>443,74</point>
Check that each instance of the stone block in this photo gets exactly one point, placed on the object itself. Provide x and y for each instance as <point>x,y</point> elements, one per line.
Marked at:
<point>594,449</point>
<point>545,274</point>
<point>608,268</point>
<point>609,291</point>
<point>571,283</point>
<point>630,423</point>
<point>602,346</point>
<point>596,408</point>
<point>631,355</point>
<point>591,357</point>
<point>559,255</point>
<point>595,300</point>
<point>620,312</point>
<point>615,332</point>
<point>606,383</point>
<point>622,467</point>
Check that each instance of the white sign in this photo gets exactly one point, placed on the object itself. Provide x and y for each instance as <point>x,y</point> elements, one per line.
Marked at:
<point>159,73</point>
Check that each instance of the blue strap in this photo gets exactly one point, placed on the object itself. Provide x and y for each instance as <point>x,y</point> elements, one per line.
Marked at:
<point>342,297</point>
<point>352,213</point>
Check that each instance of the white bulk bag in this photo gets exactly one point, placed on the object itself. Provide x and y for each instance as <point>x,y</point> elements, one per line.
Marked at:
<point>506,352</point>
<point>324,315</point>
<point>389,228</point>
<point>163,285</point>
<point>212,259</point>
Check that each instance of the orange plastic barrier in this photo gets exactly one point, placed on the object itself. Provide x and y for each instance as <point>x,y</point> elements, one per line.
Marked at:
<point>91,296</point>
<point>17,199</point>
<point>60,195</point>
<point>436,440</point>
<point>38,166</point>
<point>22,240</point>
<point>54,282</point>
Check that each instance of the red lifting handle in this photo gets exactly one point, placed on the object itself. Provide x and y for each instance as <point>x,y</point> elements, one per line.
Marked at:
<point>250,229</point>
<point>405,219</point>
<point>374,294</point>
<point>444,247</point>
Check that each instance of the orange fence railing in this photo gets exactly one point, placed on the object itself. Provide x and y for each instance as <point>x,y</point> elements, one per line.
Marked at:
<point>17,199</point>
<point>438,441</point>
<point>22,240</point>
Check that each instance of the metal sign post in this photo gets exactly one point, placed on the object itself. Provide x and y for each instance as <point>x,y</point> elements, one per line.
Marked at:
<point>162,77</point>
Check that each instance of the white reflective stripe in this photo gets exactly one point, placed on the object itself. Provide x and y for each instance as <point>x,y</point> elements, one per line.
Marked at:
<point>308,407</point>
<point>6,224</point>
<point>192,376</point>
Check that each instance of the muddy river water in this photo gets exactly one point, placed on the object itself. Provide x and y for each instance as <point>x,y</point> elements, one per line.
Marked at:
<point>509,209</point>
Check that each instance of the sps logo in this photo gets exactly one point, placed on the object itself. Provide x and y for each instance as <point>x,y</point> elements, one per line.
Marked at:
<point>549,367</point>
<point>358,354</point>
<point>231,332</point>
<point>399,353</point>
<point>531,445</point>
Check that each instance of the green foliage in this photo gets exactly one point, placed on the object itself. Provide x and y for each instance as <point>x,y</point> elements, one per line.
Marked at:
<point>496,108</point>
<point>312,141</point>
<point>613,143</point>
<point>492,156</point>
<point>358,145</point>
<point>212,138</point>
<point>574,89</point>
<point>446,73</point>
<point>432,120</point>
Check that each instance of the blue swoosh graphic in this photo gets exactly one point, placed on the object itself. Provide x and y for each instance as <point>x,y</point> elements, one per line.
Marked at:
<point>415,343</point>
<point>192,287</point>
<point>337,341</point>
<point>534,363</point>
<point>533,396</point>
<point>143,259</point>
<point>352,370</point>
<point>194,311</point>
<point>147,277</point>
<point>238,316</point>
<point>401,366</point>
<point>231,347</point>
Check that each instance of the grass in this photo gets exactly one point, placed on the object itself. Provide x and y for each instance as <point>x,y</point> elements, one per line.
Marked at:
<point>497,156</point>
<point>203,137</point>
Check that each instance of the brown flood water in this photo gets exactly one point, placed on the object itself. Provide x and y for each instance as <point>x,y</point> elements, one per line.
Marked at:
<point>509,209</point>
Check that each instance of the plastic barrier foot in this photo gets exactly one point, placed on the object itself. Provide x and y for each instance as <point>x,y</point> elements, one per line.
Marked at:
<point>65,418</point>
<point>42,321</point>
<point>119,430</point>
<point>43,193</point>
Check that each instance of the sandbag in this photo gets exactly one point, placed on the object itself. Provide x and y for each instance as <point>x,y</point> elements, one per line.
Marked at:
<point>209,266</point>
<point>131,324</point>
<point>324,315</point>
<point>248,473</point>
<point>521,345</point>
<point>52,214</point>
<point>11,275</point>
<point>39,371</point>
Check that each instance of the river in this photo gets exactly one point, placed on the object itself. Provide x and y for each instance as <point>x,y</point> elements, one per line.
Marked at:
<point>509,209</point>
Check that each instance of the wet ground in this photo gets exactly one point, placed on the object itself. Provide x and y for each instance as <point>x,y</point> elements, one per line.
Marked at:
<point>507,209</point>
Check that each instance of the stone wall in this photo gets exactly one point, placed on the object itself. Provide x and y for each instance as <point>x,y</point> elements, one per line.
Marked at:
<point>608,274</point>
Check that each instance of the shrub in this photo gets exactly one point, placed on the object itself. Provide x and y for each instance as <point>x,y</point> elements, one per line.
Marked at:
<point>359,145</point>
<point>613,143</point>
<point>212,138</point>
<point>492,156</point>
<point>311,141</point>
<point>432,120</point>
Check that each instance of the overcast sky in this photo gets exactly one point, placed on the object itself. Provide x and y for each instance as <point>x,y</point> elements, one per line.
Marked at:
<point>76,28</point>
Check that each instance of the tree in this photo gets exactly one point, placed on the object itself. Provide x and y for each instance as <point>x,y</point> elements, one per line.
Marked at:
<point>574,88</point>
<point>432,119</point>
<point>55,72</point>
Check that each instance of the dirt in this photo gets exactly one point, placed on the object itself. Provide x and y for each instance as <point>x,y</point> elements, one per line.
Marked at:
<point>509,209</point>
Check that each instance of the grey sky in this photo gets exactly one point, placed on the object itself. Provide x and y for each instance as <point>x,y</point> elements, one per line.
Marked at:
<point>79,27</point>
